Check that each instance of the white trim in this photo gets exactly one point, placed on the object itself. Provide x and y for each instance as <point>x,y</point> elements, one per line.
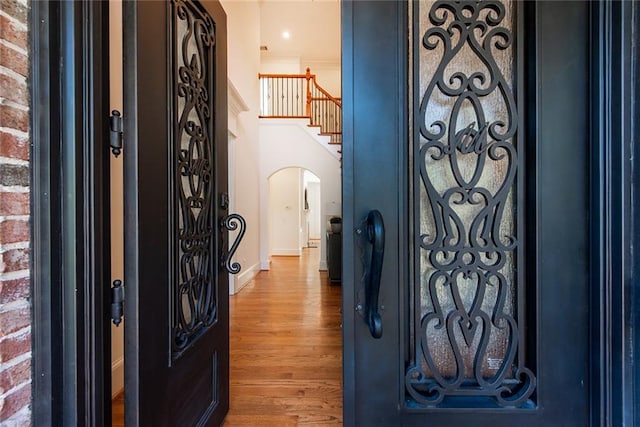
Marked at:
<point>244,278</point>
<point>265,265</point>
<point>236,102</point>
<point>117,376</point>
<point>236,105</point>
<point>323,266</point>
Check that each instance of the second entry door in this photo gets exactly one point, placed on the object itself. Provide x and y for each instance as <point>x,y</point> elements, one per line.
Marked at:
<point>466,206</point>
<point>175,156</point>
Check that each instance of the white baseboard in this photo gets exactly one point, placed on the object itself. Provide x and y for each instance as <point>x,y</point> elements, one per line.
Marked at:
<point>287,252</point>
<point>265,265</point>
<point>245,277</point>
<point>117,376</point>
<point>323,265</point>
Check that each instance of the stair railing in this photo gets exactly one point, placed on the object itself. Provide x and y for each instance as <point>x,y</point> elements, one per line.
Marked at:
<point>300,96</point>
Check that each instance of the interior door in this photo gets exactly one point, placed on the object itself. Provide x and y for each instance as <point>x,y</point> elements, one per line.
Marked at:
<point>176,290</point>
<point>466,194</point>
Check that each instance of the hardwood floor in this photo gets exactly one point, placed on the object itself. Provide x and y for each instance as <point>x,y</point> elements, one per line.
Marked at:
<point>117,411</point>
<point>286,348</point>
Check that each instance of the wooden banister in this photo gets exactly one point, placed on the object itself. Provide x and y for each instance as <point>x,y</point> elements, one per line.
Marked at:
<point>276,76</point>
<point>281,96</point>
<point>308,77</point>
<point>325,93</point>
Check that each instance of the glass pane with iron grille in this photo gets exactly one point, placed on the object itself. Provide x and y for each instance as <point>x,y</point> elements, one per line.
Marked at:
<point>194,294</point>
<point>468,296</point>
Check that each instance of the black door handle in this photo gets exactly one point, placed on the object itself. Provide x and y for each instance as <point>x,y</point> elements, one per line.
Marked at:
<point>375,236</point>
<point>230,223</point>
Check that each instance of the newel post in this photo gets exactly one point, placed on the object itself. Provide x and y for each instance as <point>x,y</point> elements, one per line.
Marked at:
<point>308,77</point>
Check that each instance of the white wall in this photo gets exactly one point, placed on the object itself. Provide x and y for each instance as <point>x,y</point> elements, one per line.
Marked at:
<point>286,143</point>
<point>280,66</point>
<point>243,38</point>
<point>285,219</point>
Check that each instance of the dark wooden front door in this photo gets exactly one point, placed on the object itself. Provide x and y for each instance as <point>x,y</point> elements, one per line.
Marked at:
<point>176,292</point>
<point>466,160</point>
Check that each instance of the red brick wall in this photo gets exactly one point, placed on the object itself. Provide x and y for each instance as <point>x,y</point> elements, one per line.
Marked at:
<point>15,307</point>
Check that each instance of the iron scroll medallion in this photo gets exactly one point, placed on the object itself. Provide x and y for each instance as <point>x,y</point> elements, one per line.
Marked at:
<point>468,338</point>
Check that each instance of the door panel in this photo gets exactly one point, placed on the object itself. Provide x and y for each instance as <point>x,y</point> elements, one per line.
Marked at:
<point>478,163</point>
<point>176,305</point>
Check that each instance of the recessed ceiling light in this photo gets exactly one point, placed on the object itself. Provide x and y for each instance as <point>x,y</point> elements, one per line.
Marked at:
<point>286,35</point>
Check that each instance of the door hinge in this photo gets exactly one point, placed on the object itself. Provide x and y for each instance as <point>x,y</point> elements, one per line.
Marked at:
<point>117,302</point>
<point>224,201</point>
<point>115,137</point>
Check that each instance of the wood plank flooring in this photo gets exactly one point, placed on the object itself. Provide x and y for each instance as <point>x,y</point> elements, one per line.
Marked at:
<point>117,411</point>
<point>286,348</point>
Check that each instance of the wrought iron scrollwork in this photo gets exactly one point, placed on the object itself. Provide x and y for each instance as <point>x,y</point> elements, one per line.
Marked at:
<point>195,293</point>
<point>468,245</point>
<point>230,223</point>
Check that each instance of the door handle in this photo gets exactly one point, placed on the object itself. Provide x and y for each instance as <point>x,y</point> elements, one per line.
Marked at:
<point>230,223</point>
<point>375,236</point>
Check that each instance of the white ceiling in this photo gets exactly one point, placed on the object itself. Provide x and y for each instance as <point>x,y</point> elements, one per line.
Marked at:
<point>314,26</point>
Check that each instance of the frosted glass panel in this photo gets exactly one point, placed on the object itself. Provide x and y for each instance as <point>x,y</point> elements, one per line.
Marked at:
<point>468,242</point>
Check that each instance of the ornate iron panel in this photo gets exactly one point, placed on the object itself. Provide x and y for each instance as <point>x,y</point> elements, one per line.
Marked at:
<point>194,294</point>
<point>469,296</point>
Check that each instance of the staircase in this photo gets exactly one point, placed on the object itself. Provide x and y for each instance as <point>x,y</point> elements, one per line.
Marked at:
<point>299,96</point>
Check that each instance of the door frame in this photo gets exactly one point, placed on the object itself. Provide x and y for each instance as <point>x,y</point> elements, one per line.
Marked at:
<point>70,225</point>
<point>614,200</point>
<point>71,364</point>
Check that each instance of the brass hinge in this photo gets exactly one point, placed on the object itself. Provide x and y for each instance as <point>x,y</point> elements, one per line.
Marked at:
<point>115,137</point>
